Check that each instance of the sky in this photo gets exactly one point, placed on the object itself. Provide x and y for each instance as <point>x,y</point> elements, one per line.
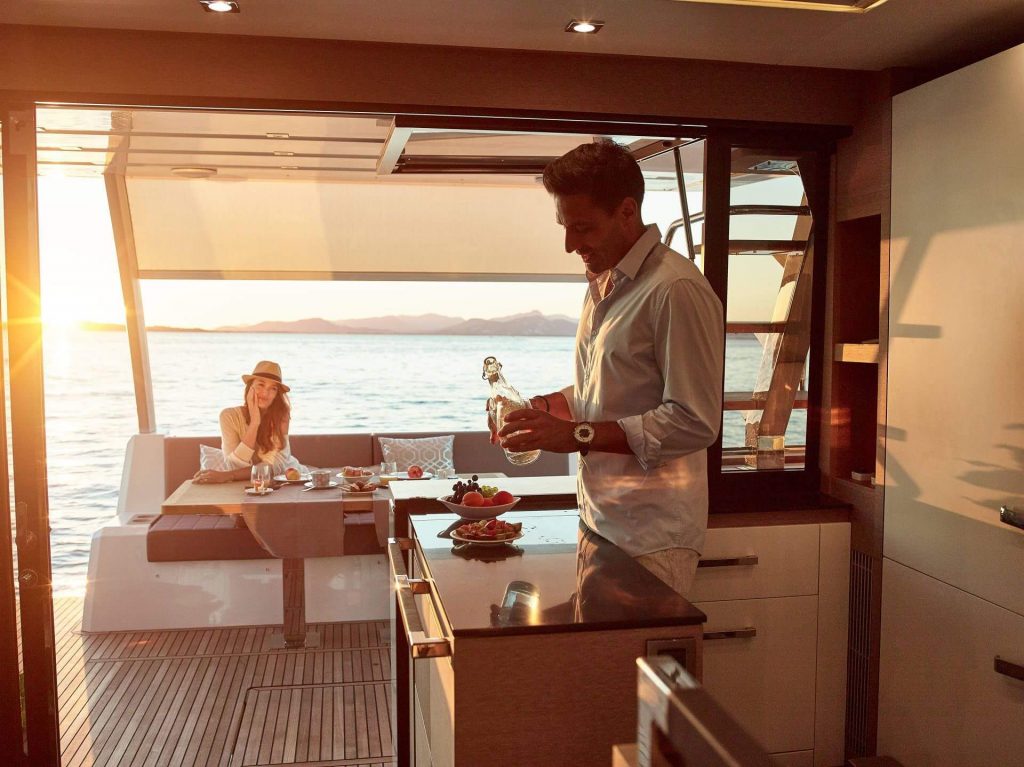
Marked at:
<point>80,281</point>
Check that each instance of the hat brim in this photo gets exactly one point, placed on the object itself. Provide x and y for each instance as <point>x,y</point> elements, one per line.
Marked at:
<point>280,384</point>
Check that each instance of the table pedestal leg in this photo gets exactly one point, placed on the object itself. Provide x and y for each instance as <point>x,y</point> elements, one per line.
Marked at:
<point>293,591</point>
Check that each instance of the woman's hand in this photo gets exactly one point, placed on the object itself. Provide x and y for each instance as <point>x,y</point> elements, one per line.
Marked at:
<point>528,429</point>
<point>210,476</point>
<point>254,408</point>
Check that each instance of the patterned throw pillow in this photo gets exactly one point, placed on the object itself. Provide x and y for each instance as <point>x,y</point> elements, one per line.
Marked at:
<point>433,454</point>
<point>212,458</point>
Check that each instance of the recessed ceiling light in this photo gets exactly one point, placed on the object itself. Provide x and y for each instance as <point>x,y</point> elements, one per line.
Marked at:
<point>194,172</point>
<point>289,167</point>
<point>284,154</point>
<point>220,6</point>
<point>584,27</point>
<point>279,135</point>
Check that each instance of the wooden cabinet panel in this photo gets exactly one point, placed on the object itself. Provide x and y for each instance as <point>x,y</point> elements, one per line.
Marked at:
<point>765,682</point>
<point>421,744</point>
<point>787,563</point>
<point>941,703</point>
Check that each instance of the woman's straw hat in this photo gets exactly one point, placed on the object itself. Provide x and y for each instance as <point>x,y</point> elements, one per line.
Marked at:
<point>268,370</point>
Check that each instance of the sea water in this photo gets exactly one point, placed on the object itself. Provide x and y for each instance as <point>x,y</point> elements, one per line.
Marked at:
<point>340,383</point>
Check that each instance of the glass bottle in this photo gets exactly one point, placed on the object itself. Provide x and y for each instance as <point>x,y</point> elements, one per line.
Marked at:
<point>504,399</point>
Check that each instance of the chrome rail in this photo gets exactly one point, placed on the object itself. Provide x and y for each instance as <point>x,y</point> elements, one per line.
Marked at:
<point>747,632</point>
<point>406,589</point>
<point>743,561</point>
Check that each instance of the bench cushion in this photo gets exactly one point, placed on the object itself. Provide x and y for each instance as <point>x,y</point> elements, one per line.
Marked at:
<point>181,454</point>
<point>197,537</point>
<point>473,452</point>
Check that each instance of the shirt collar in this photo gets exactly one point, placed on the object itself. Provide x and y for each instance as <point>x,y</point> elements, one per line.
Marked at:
<point>642,248</point>
<point>630,264</point>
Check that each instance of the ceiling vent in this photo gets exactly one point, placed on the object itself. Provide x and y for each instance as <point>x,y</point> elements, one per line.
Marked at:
<point>842,6</point>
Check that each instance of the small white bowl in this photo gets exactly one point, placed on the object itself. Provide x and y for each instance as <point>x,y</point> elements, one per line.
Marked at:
<point>478,512</point>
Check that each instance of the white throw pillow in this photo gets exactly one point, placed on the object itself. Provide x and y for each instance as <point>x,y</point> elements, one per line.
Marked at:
<point>212,459</point>
<point>433,454</point>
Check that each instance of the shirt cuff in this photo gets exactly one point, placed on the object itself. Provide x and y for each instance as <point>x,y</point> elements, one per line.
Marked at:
<point>569,394</point>
<point>243,453</point>
<point>645,447</point>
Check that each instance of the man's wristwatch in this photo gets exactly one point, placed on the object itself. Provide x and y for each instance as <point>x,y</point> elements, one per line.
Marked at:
<point>584,435</point>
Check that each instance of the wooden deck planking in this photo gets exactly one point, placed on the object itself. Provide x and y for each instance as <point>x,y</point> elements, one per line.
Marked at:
<point>197,697</point>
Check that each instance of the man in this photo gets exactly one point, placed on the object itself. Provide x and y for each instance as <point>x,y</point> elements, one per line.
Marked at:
<point>647,398</point>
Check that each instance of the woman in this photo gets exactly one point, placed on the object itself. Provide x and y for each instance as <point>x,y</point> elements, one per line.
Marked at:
<point>256,431</point>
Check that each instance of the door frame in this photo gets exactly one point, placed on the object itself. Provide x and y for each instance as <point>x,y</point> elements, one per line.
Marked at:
<point>41,741</point>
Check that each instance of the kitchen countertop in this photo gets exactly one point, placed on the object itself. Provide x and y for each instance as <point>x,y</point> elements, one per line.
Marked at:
<point>558,577</point>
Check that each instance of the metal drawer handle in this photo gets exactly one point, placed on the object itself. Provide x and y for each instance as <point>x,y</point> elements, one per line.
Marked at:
<point>1012,670</point>
<point>1012,516</point>
<point>750,559</point>
<point>744,633</point>
<point>420,645</point>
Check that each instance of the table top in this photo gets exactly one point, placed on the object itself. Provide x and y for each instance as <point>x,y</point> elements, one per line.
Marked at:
<point>231,498</point>
<point>558,577</point>
<point>560,485</point>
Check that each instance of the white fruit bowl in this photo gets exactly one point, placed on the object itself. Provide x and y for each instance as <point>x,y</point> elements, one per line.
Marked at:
<point>478,512</point>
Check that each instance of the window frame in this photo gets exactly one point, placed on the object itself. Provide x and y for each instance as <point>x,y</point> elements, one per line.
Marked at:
<point>786,488</point>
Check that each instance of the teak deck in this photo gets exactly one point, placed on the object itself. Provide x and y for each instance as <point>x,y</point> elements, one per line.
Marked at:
<point>214,697</point>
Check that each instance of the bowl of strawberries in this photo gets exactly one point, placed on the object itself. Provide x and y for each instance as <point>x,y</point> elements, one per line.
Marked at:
<point>488,532</point>
<point>470,500</point>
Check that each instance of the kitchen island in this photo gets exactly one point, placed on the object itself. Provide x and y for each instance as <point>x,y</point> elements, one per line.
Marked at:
<point>524,653</point>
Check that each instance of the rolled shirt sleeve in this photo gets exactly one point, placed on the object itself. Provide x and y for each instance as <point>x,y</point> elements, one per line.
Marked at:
<point>688,326</point>
<point>236,452</point>
<point>567,393</point>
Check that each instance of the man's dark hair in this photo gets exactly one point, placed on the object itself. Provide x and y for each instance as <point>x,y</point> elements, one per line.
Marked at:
<point>604,170</point>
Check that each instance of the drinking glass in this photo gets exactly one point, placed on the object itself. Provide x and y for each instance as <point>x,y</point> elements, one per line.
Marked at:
<point>388,467</point>
<point>261,473</point>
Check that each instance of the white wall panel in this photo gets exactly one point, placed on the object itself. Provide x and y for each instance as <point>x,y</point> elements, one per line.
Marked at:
<point>955,421</point>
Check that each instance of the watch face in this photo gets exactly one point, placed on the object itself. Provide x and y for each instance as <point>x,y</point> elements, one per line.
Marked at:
<point>584,432</point>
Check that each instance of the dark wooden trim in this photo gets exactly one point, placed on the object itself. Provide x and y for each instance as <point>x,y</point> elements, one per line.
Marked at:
<point>717,175</point>
<point>11,732</point>
<point>812,516</point>
<point>28,433</point>
<point>733,491</point>
<point>818,170</point>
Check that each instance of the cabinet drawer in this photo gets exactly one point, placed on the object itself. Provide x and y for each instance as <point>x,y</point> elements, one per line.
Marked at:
<point>941,702</point>
<point>766,682</point>
<point>787,563</point>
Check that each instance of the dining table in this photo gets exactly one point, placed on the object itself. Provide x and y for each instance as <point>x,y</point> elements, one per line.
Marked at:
<point>292,522</point>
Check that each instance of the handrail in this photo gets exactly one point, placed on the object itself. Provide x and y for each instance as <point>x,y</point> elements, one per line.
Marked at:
<point>420,645</point>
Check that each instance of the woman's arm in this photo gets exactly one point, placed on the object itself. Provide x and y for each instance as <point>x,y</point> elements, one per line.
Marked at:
<point>212,476</point>
<point>233,435</point>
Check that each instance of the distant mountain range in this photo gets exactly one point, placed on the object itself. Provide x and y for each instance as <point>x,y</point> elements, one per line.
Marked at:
<point>527,324</point>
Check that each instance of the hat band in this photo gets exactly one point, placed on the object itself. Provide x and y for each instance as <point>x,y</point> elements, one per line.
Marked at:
<point>271,376</point>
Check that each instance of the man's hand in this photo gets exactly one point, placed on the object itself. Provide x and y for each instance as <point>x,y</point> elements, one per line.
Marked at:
<point>491,425</point>
<point>537,430</point>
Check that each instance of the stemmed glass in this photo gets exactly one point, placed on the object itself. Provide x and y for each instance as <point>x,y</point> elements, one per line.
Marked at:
<point>261,473</point>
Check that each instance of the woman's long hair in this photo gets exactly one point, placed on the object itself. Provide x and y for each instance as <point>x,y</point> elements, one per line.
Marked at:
<point>273,423</point>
